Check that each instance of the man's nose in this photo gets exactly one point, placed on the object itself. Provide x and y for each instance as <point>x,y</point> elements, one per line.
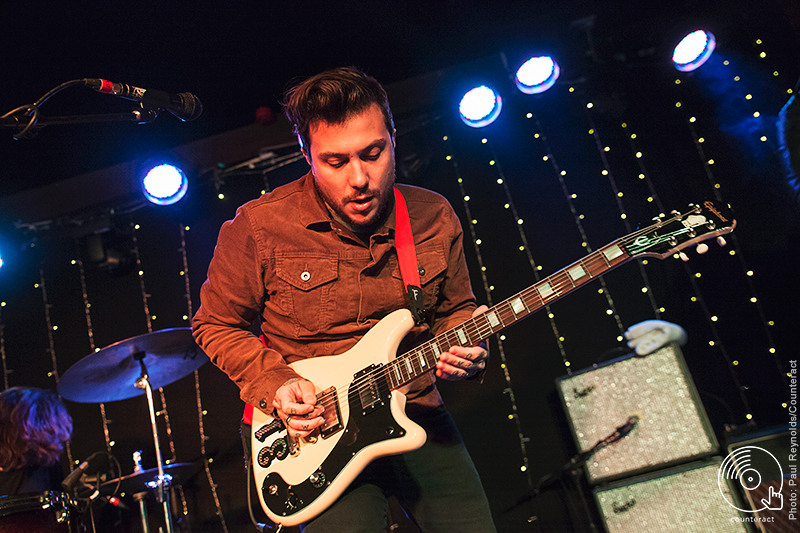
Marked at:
<point>359,176</point>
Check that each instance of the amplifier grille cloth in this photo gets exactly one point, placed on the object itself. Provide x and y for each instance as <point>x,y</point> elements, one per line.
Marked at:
<point>684,502</point>
<point>673,426</point>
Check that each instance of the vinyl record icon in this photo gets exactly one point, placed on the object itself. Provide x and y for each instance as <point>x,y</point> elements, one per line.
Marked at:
<point>745,466</point>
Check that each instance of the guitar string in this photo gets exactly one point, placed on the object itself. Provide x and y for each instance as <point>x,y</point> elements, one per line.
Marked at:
<point>561,283</point>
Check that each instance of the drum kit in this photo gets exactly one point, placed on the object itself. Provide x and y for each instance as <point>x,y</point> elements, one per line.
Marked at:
<point>123,370</point>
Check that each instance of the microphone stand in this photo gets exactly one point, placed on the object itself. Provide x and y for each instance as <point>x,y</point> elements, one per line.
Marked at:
<point>575,466</point>
<point>144,383</point>
<point>29,123</point>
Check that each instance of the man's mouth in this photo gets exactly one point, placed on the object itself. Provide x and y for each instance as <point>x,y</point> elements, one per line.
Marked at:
<point>361,204</point>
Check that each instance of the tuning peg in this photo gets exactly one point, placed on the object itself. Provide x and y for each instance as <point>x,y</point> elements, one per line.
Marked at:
<point>702,248</point>
<point>684,257</point>
<point>721,241</point>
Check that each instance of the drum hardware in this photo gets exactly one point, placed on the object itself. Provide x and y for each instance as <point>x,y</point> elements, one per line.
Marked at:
<point>130,368</point>
<point>47,512</point>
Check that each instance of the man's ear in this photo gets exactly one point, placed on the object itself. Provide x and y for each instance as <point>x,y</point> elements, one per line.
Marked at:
<point>305,154</point>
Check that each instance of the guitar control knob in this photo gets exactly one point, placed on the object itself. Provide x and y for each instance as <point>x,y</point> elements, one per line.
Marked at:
<point>317,479</point>
<point>273,489</point>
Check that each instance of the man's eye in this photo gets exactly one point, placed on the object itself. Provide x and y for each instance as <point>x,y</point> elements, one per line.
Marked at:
<point>371,157</point>
<point>336,164</point>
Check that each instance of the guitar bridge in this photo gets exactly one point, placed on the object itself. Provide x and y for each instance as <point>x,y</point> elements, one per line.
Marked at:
<point>332,415</point>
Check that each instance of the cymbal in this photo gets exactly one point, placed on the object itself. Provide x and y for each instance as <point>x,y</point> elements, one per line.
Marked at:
<point>148,479</point>
<point>110,374</point>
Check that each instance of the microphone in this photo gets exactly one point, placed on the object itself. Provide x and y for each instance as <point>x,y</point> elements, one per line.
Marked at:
<point>185,106</point>
<point>93,461</point>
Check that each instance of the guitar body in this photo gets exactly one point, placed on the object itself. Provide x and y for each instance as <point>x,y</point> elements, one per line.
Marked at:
<point>364,420</point>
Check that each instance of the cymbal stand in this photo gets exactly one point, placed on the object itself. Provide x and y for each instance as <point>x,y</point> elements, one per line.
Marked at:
<point>144,383</point>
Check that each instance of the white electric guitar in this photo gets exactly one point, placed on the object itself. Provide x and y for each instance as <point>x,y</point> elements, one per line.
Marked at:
<point>365,414</point>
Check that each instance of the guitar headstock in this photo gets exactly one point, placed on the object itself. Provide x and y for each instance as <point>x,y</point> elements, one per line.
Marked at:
<point>666,237</point>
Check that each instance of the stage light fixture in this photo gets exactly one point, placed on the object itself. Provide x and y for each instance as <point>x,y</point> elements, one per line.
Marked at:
<point>480,106</point>
<point>164,184</point>
<point>537,75</point>
<point>693,50</point>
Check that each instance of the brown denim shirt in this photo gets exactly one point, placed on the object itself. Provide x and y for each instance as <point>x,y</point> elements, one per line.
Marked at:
<point>318,288</point>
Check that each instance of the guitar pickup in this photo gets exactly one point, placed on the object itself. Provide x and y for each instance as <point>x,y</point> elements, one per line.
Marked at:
<point>329,401</point>
<point>368,390</point>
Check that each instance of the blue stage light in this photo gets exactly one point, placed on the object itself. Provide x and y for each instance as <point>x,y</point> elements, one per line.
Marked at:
<point>1,260</point>
<point>693,50</point>
<point>164,184</point>
<point>537,75</point>
<point>480,107</point>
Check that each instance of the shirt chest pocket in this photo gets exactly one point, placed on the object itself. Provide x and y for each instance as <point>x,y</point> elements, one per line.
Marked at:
<point>307,290</point>
<point>432,271</point>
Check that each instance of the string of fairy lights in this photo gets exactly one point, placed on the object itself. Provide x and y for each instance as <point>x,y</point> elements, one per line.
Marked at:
<point>163,412</point>
<point>509,390</point>
<point>747,101</point>
<point>51,349</point>
<point>578,218</point>
<point>201,413</point>
<point>87,307</point>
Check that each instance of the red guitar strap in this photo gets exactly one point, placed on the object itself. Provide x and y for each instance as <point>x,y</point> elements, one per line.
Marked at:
<point>407,256</point>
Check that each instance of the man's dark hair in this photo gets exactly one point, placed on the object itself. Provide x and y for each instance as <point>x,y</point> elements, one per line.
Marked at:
<point>34,427</point>
<point>334,96</point>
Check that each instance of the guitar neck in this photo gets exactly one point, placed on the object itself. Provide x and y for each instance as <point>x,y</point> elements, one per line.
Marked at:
<point>423,358</point>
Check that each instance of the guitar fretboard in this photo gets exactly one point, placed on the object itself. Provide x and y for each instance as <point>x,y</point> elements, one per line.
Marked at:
<point>423,358</point>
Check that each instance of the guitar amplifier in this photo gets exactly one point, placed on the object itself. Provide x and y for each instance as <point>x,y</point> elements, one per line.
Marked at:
<point>683,499</point>
<point>672,426</point>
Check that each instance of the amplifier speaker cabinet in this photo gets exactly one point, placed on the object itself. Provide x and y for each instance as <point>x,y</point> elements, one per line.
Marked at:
<point>684,499</point>
<point>673,427</point>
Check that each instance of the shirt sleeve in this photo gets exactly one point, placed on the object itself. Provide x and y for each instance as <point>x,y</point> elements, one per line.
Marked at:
<point>231,299</point>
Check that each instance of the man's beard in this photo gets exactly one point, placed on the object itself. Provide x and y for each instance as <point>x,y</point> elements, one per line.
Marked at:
<point>385,201</point>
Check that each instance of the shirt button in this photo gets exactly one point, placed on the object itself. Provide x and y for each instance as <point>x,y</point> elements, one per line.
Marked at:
<point>262,404</point>
<point>305,276</point>
<point>421,271</point>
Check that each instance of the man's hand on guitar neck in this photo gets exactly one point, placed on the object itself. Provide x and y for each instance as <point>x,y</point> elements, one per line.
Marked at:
<point>463,363</point>
<point>295,403</point>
